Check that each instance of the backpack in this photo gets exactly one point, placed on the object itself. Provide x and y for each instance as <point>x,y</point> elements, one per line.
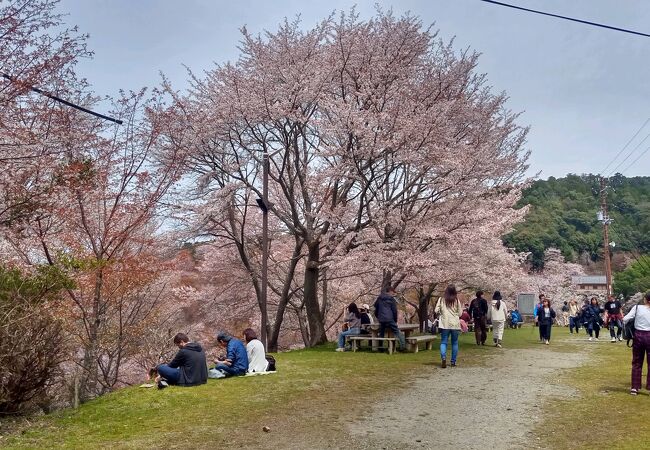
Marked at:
<point>629,329</point>
<point>271,361</point>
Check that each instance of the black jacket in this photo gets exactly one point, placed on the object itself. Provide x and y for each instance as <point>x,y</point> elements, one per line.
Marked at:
<point>386,308</point>
<point>193,367</point>
<point>478,308</point>
<point>542,319</point>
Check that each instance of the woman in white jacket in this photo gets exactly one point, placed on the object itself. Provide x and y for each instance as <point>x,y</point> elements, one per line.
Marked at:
<point>497,314</point>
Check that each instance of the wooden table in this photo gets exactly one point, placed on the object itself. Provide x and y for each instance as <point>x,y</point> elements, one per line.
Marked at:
<point>406,328</point>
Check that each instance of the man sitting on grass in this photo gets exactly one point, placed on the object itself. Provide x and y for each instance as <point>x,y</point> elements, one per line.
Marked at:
<point>236,360</point>
<point>188,368</point>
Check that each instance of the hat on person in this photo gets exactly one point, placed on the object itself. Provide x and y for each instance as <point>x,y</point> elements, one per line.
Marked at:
<point>365,307</point>
<point>497,295</point>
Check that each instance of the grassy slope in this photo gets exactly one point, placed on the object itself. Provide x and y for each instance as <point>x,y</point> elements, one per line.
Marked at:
<point>605,413</point>
<point>311,394</point>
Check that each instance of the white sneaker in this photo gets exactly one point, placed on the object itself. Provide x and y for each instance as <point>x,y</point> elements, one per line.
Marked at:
<point>613,339</point>
<point>340,349</point>
<point>591,338</point>
<point>620,338</point>
<point>596,338</point>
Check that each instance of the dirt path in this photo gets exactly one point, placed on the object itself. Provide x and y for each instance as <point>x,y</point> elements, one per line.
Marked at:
<point>493,406</point>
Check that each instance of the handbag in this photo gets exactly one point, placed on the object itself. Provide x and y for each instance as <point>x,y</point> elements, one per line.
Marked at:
<point>629,328</point>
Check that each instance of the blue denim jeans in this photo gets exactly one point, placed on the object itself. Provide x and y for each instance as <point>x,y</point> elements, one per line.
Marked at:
<point>350,332</point>
<point>444,335</point>
<point>229,371</point>
<point>170,374</point>
<point>396,332</point>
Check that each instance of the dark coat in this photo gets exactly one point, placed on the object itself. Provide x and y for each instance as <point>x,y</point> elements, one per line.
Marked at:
<point>386,308</point>
<point>478,308</point>
<point>591,315</point>
<point>542,319</point>
<point>192,364</point>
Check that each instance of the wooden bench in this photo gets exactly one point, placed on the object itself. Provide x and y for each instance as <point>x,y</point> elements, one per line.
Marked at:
<point>355,339</point>
<point>413,341</point>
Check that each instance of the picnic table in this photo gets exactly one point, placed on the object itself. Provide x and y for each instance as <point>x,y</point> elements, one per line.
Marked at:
<point>406,328</point>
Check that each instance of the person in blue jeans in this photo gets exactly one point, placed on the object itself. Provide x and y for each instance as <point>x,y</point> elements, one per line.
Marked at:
<point>353,322</point>
<point>449,310</point>
<point>236,359</point>
<point>188,368</point>
<point>386,312</point>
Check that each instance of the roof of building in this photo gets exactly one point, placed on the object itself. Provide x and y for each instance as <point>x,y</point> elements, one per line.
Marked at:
<point>594,279</point>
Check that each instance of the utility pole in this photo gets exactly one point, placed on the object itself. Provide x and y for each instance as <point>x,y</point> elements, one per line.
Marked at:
<point>264,205</point>
<point>605,220</point>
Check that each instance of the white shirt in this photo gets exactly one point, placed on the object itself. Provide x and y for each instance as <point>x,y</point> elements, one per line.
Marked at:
<point>642,320</point>
<point>256,356</point>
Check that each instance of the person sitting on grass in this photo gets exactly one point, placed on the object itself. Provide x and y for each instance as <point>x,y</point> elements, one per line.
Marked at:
<point>515,319</point>
<point>236,360</point>
<point>188,368</point>
<point>255,351</point>
<point>353,323</point>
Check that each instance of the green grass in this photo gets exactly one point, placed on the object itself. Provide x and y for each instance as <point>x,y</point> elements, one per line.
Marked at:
<point>604,413</point>
<point>312,390</point>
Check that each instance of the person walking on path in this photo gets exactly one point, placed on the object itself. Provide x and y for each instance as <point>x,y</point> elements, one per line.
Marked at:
<point>574,313</point>
<point>640,314</point>
<point>497,314</point>
<point>449,310</point>
<point>592,319</point>
<point>545,317</point>
<point>536,309</point>
<point>615,318</point>
<point>353,322</point>
<point>386,312</point>
<point>478,309</point>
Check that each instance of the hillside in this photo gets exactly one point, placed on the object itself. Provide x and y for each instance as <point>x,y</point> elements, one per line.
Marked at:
<point>563,215</point>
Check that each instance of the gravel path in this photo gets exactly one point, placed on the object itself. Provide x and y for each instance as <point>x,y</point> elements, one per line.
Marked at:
<point>491,407</point>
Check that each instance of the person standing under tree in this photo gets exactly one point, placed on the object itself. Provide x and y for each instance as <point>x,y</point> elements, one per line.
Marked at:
<point>497,314</point>
<point>449,310</point>
<point>545,318</point>
<point>640,314</point>
<point>478,309</point>
<point>386,312</point>
<point>565,314</point>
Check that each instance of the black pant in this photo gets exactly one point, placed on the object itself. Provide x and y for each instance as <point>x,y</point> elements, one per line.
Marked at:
<point>618,324</point>
<point>480,329</point>
<point>545,331</point>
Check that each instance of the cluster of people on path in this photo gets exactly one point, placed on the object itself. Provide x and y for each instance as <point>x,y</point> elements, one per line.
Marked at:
<point>189,366</point>
<point>593,317</point>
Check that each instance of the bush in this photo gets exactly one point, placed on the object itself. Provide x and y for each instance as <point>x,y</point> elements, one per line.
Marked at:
<point>31,337</point>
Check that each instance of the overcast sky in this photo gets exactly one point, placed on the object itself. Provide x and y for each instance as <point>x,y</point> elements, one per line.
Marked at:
<point>583,90</point>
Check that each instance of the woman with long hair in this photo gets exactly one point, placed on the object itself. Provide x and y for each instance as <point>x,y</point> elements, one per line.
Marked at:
<point>497,314</point>
<point>449,310</point>
<point>353,322</point>
<point>640,314</point>
<point>545,318</point>
<point>255,350</point>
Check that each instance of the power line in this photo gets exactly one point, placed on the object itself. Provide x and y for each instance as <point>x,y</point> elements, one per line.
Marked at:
<point>60,100</point>
<point>595,24</point>
<point>624,147</point>
<point>637,158</point>
<point>629,154</point>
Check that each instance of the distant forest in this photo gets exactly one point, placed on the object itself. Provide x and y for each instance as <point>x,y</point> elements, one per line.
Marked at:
<point>563,215</point>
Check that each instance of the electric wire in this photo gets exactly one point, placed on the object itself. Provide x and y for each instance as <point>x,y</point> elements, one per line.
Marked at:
<point>637,158</point>
<point>630,153</point>
<point>573,19</point>
<point>625,146</point>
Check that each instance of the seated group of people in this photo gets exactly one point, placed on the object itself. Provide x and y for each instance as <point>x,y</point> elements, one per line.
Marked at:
<point>189,366</point>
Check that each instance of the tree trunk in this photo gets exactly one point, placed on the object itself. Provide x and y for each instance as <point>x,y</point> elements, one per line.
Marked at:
<point>88,384</point>
<point>424,296</point>
<point>314,317</point>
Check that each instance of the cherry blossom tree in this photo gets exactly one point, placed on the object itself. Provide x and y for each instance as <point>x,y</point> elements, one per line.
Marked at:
<point>381,140</point>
